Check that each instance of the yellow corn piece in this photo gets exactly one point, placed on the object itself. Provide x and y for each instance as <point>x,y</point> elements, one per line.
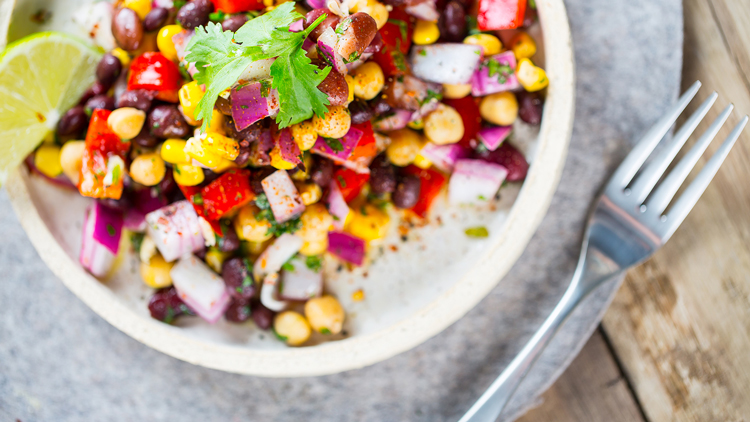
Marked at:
<point>523,46</point>
<point>369,223</point>
<point>195,150</point>
<point>350,83</point>
<point>422,162</point>
<point>164,41</point>
<point>309,192</point>
<point>173,152</point>
<point>220,145</point>
<point>223,165</point>
<point>140,7</point>
<point>215,259</point>
<point>416,124</point>
<point>155,272</point>
<point>490,44</point>
<point>47,160</point>
<point>278,162</point>
<point>531,77</point>
<point>122,55</point>
<point>188,175</point>
<point>426,32</point>
<point>217,123</point>
<point>190,94</point>
<point>358,296</point>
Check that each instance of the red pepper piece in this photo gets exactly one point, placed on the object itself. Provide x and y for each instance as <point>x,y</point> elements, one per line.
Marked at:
<point>350,182</point>
<point>193,195</point>
<point>101,143</point>
<point>495,15</point>
<point>154,72</point>
<point>236,6</point>
<point>100,137</point>
<point>366,147</point>
<point>397,34</point>
<point>468,109</point>
<point>227,193</point>
<point>432,183</point>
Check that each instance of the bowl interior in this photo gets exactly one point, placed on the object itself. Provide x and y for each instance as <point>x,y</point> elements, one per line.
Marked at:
<point>421,277</point>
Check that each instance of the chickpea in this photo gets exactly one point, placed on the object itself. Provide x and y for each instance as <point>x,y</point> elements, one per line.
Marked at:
<point>315,223</point>
<point>325,314</point>
<point>368,81</point>
<point>248,227</point>
<point>71,156</point>
<point>304,134</point>
<point>334,124</point>
<point>456,91</point>
<point>148,169</point>
<point>293,327</point>
<point>500,108</point>
<point>310,192</point>
<point>126,122</point>
<point>155,272</point>
<point>444,125</point>
<point>404,147</point>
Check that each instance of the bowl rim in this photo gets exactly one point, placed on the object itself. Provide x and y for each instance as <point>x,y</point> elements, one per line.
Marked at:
<point>355,352</point>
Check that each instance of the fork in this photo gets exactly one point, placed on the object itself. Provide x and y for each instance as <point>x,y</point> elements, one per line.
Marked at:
<point>627,225</point>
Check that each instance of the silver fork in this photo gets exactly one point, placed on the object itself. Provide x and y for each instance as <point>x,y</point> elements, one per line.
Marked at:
<point>627,226</point>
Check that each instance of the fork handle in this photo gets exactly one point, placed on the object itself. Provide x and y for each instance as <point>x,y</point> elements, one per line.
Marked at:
<point>493,401</point>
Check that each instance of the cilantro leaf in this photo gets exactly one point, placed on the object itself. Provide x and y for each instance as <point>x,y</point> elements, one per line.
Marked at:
<point>262,30</point>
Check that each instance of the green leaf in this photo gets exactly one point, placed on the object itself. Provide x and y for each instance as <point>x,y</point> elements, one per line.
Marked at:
<point>478,232</point>
<point>296,79</point>
<point>136,239</point>
<point>261,201</point>
<point>261,30</point>
<point>325,331</point>
<point>334,144</point>
<point>314,263</point>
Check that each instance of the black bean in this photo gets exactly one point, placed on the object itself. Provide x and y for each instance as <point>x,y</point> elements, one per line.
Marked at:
<point>379,106</point>
<point>262,316</point>
<point>138,98</point>
<point>195,13</point>
<point>531,17</point>
<point>167,185</point>
<point>100,102</point>
<point>145,139</point>
<point>72,122</point>
<point>239,310</point>
<point>530,107</point>
<point>166,121</point>
<point>330,21</point>
<point>452,22</point>
<point>335,86</point>
<point>360,112</point>
<point>407,192</point>
<point>382,175</point>
<point>224,106</point>
<point>108,69</point>
<point>234,22</point>
<point>321,172</point>
<point>127,29</point>
<point>97,88</point>
<point>230,242</point>
<point>257,176</point>
<point>239,278</point>
<point>355,34</point>
<point>166,304</point>
<point>155,19</point>
<point>121,204</point>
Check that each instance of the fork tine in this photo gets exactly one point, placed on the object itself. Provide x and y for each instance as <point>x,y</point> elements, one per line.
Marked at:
<point>648,177</point>
<point>688,199</point>
<point>659,201</point>
<point>646,145</point>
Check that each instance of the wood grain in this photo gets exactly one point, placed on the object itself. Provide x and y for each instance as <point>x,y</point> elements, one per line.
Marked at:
<point>680,325</point>
<point>591,389</point>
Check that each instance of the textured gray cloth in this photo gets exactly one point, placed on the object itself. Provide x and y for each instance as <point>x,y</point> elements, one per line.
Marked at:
<point>60,362</point>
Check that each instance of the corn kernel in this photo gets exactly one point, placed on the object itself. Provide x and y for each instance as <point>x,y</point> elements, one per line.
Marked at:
<point>220,145</point>
<point>523,46</point>
<point>140,7</point>
<point>223,165</point>
<point>47,160</point>
<point>173,151</point>
<point>416,124</point>
<point>426,32</point>
<point>304,134</point>
<point>155,272</point>
<point>194,149</point>
<point>358,296</point>
<point>249,228</point>
<point>404,147</point>
<point>369,223</point>
<point>310,192</point>
<point>126,122</point>
<point>368,80</point>
<point>292,327</point>
<point>300,175</point>
<point>71,157</point>
<point>422,162</point>
<point>122,55</point>
<point>377,11</point>
<point>188,175</point>
<point>531,77</point>
<point>215,259</point>
<point>148,169</point>
<point>164,41</point>
<point>190,94</point>
<point>278,162</point>
<point>217,123</point>
<point>325,314</point>
<point>490,44</point>
<point>456,91</point>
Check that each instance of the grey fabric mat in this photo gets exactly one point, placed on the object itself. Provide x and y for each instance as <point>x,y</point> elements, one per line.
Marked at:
<point>60,362</point>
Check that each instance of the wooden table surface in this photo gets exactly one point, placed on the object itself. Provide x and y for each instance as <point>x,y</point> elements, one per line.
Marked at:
<point>675,344</point>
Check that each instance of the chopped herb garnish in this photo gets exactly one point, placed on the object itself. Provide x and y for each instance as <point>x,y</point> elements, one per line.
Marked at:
<point>482,198</point>
<point>198,199</point>
<point>341,180</point>
<point>217,16</point>
<point>288,266</point>
<point>325,331</point>
<point>471,24</point>
<point>402,26</point>
<point>136,239</point>
<point>110,230</point>
<point>334,144</point>
<point>177,170</point>
<point>495,68</point>
<point>279,336</point>
<point>422,52</point>
<point>314,263</point>
<point>478,232</point>
<point>261,201</point>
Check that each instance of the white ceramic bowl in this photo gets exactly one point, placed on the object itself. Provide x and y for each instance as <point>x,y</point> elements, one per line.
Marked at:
<point>412,294</point>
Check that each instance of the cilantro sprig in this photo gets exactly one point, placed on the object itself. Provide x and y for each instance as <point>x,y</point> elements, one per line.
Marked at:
<point>220,58</point>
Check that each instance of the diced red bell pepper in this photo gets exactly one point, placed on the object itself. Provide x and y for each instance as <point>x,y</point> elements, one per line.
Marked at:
<point>350,182</point>
<point>366,147</point>
<point>432,183</point>
<point>229,192</point>
<point>237,6</point>
<point>495,15</point>
<point>154,72</point>
<point>101,144</point>
<point>468,109</point>
<point>194,196</point>
<point>397,35</point>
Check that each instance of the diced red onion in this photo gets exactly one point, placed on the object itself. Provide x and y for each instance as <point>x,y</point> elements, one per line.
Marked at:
<point>148,200</point>
<point>425,10</point>
<point>308,44</point>
<point>249,105</point>
<point>181,41</point>
<point>297,26</point>
<point>446,63</point>
<point>492,137</point>
<point>102,228</point>
<point>286,203</point>
<point>327,47</point>
<point>475,181</point>
<point>301,283</point>
<point>347,247</point>
<point>274,256</point>
<point>484,84</point>
<point>135,220</point>
<point>288,148</point>
<point>376,44</point>
<point>268,291</point>
<point>166,4</point>
<point>175,230</point>
<point>348,143</point>
<point>337,206</point>
<point>200,288</point>
<point>397,119</point>
<point>316,4</point>
<point>444,157</point>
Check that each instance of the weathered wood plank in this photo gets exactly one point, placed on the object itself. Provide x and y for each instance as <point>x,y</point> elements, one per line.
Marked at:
<point>680,325</point>
<point>591,389</point>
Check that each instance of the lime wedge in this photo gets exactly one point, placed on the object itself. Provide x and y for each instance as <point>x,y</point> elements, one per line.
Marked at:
<point>41,77</point>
